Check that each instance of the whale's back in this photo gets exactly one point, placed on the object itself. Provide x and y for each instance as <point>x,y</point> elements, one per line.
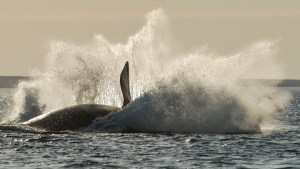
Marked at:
<point>70,118</point>
<point>75,117</point>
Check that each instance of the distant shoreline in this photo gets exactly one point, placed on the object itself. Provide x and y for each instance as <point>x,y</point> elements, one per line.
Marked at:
<point>275,82</point>
<point>12,81</point>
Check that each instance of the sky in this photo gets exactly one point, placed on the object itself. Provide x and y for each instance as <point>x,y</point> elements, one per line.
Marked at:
<point>28,27</point>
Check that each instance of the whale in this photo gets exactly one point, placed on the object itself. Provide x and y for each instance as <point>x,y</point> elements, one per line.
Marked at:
<point>82,115</point>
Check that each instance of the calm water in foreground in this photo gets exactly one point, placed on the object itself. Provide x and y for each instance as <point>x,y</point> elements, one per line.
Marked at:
<point>275,148</point>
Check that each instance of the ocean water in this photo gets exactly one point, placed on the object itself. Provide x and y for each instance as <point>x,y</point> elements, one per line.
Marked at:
<point>274,148</point>
<point>191,109</point>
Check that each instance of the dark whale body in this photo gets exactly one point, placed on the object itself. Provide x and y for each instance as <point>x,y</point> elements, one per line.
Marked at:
<point>70,118</point>
<point>79,116</point>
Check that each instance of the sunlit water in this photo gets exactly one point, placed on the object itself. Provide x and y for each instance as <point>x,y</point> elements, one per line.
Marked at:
<point>275,148</point>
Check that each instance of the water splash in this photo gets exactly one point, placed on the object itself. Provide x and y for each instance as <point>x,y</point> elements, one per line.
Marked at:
<point>196,92</point>
<point>204,94</point>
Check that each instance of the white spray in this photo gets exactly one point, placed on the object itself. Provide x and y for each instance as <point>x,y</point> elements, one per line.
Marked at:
<point>195,92</point>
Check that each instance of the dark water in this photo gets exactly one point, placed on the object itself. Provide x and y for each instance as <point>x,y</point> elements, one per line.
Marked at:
<point>275,148</point>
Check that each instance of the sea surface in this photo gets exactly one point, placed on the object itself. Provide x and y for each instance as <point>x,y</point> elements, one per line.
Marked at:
<point>278,147</point>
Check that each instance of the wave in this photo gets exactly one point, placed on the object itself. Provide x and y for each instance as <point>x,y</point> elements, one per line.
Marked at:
<point>199,91</point>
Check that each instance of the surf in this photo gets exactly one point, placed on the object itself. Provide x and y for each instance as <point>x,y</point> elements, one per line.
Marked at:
<point>195,91</point>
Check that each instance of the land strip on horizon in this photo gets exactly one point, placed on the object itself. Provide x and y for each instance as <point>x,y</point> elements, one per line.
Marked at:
<point>12,81</point>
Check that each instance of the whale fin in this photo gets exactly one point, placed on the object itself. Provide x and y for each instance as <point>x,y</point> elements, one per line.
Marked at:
<point>124,82</point>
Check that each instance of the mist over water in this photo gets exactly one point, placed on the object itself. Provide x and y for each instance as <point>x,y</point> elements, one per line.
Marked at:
<point>198,91</point>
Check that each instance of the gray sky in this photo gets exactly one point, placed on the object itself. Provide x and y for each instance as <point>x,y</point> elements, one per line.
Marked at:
<point>226,26</point>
